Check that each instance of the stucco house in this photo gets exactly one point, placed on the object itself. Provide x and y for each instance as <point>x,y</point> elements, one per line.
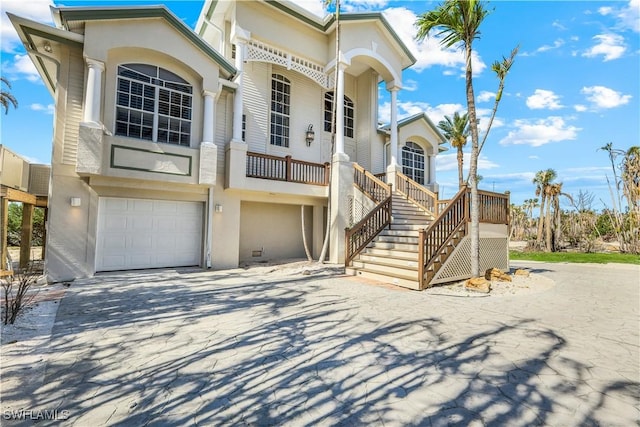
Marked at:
<point>179,147</point>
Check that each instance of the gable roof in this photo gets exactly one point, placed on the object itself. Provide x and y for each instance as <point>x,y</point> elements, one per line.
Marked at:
<point>66,17</point>
<point>324,25</point>
<point>417,117</point>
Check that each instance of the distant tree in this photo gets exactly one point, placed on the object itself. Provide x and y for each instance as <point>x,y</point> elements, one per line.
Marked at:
<point>456,131</point>
<point>543,179</point>
<point>6,98</point>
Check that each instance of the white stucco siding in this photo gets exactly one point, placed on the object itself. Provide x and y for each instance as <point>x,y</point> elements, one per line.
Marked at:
<point>268,24</point>
<point>305,109</point>
<point>273,230</point>
<point>73,109</point>
<point>224,117</point>
<point>257,96</point>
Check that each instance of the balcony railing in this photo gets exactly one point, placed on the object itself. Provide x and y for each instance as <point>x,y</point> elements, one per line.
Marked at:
<point>286,169</point>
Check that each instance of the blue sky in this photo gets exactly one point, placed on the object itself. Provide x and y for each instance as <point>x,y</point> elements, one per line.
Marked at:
<point>574,87</point>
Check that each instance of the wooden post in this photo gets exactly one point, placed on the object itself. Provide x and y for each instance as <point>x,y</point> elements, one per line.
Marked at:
<point>287,160</point>
<point>327,169</point>
<point>27,231</point>
<point>44,233</point>
<point>422,235</point>
<point>4,223</point>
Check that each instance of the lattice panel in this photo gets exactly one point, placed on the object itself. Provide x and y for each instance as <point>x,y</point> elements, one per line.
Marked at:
<point>494,252</point>
<point>357,211</point>
<point>261,52</point>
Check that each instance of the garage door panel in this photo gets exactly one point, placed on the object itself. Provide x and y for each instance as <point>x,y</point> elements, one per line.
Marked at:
<point>135,233</point>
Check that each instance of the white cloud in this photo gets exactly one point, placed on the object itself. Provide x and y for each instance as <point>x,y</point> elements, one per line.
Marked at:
<point>37,10</point>
<point>605,10</point>
<point>544,48</point>
<point>558,25</point>
<point>22,67</point>
<point>410,85</point>
<point>486,96</point>
<point>604,97</point>
<point>429,52</point>
<point>449,162</point>
<point>542,99</point>
<point>610,46</point>
<point>409,108</point>
<point>362,5</point>
<point>534,157</point>
<point>580,108</point>
<point>540,132</point>
<point>47,109</point>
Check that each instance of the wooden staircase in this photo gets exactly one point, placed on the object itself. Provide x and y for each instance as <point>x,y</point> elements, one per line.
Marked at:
<point>392,257</point>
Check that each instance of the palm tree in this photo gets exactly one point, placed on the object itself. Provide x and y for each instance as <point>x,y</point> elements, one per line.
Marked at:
<point>501,69</point>
<point>529,205</point>
<point>457,132</point>
<point>458,21</point>
<point>6,98</point>
<point>542,180</point>
<point>554,231</point>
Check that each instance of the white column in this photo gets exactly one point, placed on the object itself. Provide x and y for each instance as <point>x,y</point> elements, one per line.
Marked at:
<point>237,98</point>
<point>339,102</point>
<point>209,119</point>
<point>393,126</point>
<point>93,93</point>
<point>432,169</point>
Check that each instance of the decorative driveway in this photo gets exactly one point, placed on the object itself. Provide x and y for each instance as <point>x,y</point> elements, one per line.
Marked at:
<point>261,347</point>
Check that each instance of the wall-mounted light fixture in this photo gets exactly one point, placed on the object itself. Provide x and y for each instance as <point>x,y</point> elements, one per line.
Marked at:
<point>218,208</point>
<point>47,46</point>
<point>311,135</point>
<point>75,202</point>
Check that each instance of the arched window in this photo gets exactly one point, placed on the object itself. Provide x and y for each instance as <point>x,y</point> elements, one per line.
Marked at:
<point>153,104</point>
<point>349,123</point>
<point>413,162</point>
<point>280,107</point>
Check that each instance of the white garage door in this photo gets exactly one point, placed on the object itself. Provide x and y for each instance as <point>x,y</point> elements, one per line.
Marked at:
<point>137,233</point>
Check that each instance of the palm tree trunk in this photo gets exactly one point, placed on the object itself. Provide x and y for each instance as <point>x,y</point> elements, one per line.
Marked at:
<point>473,167</point>
<point>460,162</point>
<point>540,219</point>
<point>547,226</point>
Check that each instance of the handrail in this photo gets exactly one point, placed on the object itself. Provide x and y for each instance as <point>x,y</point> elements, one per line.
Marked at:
<point>287,169</point>
<point>358,237</point>
<point>494,207</point>
<point>363,232</point>
<point>376,189</point>
<point>451,220</point>
<point>415,192</point>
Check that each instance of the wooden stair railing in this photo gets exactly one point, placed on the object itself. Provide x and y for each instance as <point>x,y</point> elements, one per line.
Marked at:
<point>437,242</point>
<point>286,169</point>
<point>416,193</point>
<point>362,233</point>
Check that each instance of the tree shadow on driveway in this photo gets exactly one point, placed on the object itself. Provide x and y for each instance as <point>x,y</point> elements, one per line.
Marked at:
<point>211,348</point>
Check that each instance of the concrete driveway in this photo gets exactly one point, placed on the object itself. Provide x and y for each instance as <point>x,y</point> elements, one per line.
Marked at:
<point>260,347</point>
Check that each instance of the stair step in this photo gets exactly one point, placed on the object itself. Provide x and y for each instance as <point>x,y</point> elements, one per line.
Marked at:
<point>391,252</point>
<point>397,239</point>
<point>399,232</point>
<point>393,260</point>
<point>415,227</point>
<point>410,272</point>
<point>424,221</point>
<point>394,245</point>
<point>398,281</point>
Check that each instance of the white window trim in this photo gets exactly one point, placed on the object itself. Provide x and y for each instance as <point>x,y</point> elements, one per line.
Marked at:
<point>284,138</point>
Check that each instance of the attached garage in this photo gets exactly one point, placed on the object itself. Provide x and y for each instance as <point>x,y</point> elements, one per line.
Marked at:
<point>140,233</point>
